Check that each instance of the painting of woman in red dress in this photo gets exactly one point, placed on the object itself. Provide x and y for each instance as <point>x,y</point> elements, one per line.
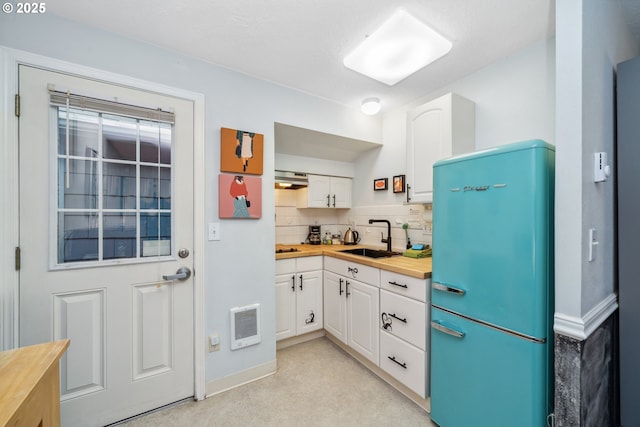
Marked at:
<point>239,196</point>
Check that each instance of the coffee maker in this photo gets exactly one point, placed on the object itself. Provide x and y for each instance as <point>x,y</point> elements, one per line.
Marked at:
<point>314,237</point>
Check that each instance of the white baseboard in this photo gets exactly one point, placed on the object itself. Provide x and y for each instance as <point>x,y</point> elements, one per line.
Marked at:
<point>580,328</point>
<point>240,378</point>
<point>288,342</point>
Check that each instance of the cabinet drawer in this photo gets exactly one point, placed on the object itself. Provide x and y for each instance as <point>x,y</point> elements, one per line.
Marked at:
<point>353,270</point>
<point>409,364</point>
<point>286,266</point>
<point>411,287</point>
<point>309,263</point>
<point>406,318</point>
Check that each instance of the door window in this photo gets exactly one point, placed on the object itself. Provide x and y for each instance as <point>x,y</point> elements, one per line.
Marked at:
<point>113,183</point>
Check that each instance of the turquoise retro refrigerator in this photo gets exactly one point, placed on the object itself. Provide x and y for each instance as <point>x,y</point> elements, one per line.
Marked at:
<point>492,287</point>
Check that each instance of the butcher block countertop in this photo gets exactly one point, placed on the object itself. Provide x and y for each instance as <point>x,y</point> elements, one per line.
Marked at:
<point>30,385</point>
<point>420,267</point>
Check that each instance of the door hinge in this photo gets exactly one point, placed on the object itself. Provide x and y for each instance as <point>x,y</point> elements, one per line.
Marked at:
<point>17,106</point>
<point>18,258</point>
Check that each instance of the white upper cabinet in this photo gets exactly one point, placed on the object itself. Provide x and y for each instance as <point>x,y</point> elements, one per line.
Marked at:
<point>439,129</point>
<point>325,192</point>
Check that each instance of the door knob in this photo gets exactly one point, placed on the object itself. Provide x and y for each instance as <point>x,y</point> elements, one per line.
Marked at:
<point>183,273</point>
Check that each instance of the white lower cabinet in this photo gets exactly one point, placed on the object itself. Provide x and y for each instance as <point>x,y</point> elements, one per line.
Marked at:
<point>404,318</point>
<point>335,306</point>
<point>298,296</point>
<point>406,363</point>
<point>362,319</point>
<point>351,307</point>
<point>404,339</point>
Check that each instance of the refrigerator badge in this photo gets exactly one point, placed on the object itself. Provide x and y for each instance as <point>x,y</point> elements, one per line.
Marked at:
<point>475,188</point>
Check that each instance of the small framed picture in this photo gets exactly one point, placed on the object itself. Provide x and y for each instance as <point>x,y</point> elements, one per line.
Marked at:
<point>398,184</point>
<point>380,184</point>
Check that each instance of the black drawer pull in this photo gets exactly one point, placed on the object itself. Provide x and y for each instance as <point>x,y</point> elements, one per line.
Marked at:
<point>398,284</point>
<point>398,318</point>
<point>393,359</point>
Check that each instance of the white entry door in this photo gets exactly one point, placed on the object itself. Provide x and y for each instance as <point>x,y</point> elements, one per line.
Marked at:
<point>106,210</point>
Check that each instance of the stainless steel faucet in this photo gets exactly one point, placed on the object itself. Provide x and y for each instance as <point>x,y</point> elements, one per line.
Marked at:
<point>388,239</point>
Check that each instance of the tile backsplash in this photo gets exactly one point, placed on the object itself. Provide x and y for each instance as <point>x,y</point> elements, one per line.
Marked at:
<point>292,224</point>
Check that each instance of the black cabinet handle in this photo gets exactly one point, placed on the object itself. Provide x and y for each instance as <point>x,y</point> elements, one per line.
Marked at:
<point>293,283</point>
<point>334,200</point>
<point>397,318</point>
<point>341,287</point>
<point>398,284</point>
<point>408,188</point>
<point>301,282</point>
<point>347,288</point>
<point>393,359</point>
<point>328,200</point>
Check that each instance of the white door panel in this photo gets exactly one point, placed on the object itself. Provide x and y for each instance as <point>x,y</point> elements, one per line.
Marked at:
<point>131,331</point>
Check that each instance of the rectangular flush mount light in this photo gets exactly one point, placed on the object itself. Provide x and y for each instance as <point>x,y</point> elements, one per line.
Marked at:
<point>399,48</point>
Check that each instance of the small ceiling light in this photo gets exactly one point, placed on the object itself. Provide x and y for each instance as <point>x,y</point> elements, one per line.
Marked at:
<point>370,106</point>
<point>399,48</point>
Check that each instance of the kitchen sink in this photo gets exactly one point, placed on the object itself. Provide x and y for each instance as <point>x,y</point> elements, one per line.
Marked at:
<point>370,253</point>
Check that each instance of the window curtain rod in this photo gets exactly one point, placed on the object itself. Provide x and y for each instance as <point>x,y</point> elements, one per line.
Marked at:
<point>65,99</point>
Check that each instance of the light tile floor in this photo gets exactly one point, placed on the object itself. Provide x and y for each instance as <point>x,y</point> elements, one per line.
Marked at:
<point>316,384</point>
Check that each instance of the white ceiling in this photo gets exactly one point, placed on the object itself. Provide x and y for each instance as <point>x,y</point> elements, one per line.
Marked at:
<point>301,43</point>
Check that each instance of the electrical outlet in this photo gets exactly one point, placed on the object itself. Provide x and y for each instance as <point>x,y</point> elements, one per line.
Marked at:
<point>428,228</point>
<point>214,343</point>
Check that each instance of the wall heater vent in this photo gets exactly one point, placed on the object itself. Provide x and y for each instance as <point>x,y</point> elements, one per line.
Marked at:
<point>245,326</point>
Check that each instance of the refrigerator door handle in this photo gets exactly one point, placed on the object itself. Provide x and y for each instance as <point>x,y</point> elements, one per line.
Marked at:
<point>449,331</point>
<point>447,288</point>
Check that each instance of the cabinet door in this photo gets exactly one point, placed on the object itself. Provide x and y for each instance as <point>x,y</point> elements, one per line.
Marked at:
<point>436,130</point>
<point>309,301</point>
<point>428,140</point>
<point>335,306</point>
<point>340,192</point>
<point>319,191</point>
<point>285,306</point>
<point>363,308</point>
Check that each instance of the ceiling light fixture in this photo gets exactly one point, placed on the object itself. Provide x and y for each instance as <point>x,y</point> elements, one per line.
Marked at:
<point>370,106</point>
<point>399,48</point>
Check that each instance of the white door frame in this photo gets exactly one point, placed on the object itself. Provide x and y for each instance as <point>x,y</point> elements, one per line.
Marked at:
<point>10,59</point>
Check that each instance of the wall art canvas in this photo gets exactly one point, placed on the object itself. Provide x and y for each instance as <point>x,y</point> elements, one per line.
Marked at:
<point>398,184</point>
<point>380,184</point>
<point>241,151</point>
<point>239,196</point>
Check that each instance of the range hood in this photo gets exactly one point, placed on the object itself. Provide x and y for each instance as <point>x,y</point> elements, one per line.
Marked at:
<point>290,180</point>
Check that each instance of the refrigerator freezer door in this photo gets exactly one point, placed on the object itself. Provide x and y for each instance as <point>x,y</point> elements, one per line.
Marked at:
<point>492,258</point>
<point>484,377</point>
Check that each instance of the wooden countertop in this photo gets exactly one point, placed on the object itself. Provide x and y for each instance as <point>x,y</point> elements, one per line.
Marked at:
<point>30,386</point>
<point>420,267</point>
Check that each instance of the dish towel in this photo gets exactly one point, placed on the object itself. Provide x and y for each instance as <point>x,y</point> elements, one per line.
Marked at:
<point>413,253</point>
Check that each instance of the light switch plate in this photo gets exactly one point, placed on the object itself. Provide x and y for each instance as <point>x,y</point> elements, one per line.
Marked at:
<point>214,231</point>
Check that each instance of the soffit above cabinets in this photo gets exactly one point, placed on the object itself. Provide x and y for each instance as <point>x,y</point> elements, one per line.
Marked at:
<point>297,141</point>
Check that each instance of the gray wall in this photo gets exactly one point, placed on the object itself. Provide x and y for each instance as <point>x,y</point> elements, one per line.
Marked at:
<point>240,268</point>
<point>591,38</point>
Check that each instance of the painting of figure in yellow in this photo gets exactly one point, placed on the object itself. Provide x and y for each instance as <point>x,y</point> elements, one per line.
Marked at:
<point>241,151</point>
